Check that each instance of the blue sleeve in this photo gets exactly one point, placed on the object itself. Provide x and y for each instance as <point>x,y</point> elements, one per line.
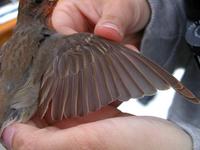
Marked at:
<point>164,35</point>
<point>164,43</point>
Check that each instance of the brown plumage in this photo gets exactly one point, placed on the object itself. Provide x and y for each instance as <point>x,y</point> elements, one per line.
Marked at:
<point>73,75</point>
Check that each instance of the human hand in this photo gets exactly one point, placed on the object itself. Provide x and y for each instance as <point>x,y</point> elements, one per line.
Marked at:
<point>107,129</point>
<point>112,19</point>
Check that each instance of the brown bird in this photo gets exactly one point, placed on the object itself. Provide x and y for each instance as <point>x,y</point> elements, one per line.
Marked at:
<point>70,75</point>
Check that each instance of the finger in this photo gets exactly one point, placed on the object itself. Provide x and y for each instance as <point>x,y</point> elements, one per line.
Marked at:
<point>122,17</point>
<point>130,133</point>
<point>66,22</point>
<point>115,21</point>
<point>25,137</point>
<point>115,133</point>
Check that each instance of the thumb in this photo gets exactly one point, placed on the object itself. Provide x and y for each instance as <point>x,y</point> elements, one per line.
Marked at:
<point>115,21</point>
<point>111,24</point>
<point>122,18</point>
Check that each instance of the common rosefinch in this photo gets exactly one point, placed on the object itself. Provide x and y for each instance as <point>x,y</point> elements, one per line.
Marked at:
<point>70,75</point>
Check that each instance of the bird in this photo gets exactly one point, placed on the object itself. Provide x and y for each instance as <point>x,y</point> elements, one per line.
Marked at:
<point>70,75</point>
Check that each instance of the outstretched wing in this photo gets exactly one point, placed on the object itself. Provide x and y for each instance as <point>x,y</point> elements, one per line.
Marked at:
<point>90,72</point>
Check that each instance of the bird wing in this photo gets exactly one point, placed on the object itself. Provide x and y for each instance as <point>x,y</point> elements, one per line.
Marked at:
<point>93,72</point>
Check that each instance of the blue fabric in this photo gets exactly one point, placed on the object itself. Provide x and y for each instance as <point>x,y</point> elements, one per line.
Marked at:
<point>164,43</point>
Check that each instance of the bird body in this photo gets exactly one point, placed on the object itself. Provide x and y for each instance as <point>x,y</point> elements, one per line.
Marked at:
<point>70,75</point>
<point>18,55</point>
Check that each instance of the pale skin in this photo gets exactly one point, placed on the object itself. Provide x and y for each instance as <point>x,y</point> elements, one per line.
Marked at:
<point>108,128</point>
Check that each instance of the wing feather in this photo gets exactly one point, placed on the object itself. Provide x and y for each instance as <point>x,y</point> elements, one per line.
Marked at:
<point>92,73</point>
<point>150,74</point>
<point>142,81</point>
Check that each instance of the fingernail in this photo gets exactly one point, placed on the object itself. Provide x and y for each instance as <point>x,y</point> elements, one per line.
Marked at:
<point>112,26</point>
<point>8,136</point>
